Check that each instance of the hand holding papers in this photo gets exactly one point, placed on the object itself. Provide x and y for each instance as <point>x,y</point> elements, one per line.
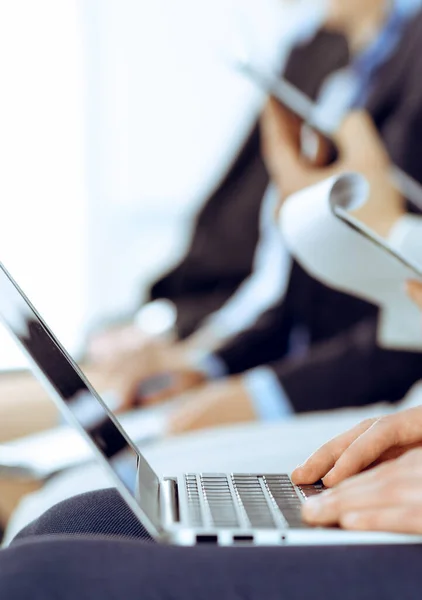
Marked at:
<point>336,229</point>
<point>360,150</point>
<point>343,253</point>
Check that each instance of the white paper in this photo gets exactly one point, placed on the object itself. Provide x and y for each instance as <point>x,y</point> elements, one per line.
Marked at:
<point>344,259</point>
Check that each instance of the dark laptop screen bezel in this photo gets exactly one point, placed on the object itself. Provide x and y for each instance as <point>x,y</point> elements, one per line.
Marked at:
<point>82,406</point>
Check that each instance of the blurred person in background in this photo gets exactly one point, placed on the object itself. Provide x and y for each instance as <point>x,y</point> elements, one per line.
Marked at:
<point>314,340</point>
<point>221,256</point>
<point>220,276</point>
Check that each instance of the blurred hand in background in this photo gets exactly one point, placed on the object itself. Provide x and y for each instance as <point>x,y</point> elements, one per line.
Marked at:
<point>219,403</point>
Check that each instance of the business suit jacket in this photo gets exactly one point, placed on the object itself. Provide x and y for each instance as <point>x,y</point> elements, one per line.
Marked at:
<point>344,366</point>
<point>225,235</point>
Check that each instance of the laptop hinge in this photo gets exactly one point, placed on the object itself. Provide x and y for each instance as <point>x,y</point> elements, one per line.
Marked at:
<point>169,502</point>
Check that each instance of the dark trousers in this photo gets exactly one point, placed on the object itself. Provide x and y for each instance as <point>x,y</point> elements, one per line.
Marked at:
<point>91,547</point>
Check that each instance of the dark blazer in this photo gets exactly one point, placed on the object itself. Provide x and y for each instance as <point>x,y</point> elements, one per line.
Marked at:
<point>225,235</point>
<point>345,367</point>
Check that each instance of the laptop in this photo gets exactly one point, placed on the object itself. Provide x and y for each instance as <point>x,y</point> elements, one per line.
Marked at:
<point>184,509</point>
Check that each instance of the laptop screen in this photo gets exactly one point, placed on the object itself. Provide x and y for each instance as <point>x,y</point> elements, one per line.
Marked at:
<point>79,402</point>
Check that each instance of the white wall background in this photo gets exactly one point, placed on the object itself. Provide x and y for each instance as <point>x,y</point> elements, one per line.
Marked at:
<point>42,141</point>
<point>167,114</point>
<point>116,117</point>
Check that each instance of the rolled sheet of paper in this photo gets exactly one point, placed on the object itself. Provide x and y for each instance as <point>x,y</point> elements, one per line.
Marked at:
<point>338,250</point>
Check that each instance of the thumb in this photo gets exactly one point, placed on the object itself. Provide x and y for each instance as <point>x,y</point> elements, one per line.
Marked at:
<point>280,130</point>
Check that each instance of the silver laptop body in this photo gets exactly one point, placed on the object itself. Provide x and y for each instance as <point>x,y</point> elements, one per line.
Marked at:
<point>185,509</point>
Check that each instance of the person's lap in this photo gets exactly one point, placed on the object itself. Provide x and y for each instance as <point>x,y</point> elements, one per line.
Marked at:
<point>106,569</point>
<point>91,546</point>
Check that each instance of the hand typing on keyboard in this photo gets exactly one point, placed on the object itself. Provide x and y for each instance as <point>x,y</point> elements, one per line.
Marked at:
<point>375,475</point>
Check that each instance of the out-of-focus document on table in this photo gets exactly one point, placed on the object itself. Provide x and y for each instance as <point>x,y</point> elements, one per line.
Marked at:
<point>41,455</point>
<point>342,253</point>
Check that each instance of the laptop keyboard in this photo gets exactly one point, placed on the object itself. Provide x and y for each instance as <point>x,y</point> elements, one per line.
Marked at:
<point>246,501</point>
<point>251,494</point>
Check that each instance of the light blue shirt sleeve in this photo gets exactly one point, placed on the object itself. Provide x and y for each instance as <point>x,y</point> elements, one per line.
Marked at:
<point>269,399</point>
<point>208,364</point>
